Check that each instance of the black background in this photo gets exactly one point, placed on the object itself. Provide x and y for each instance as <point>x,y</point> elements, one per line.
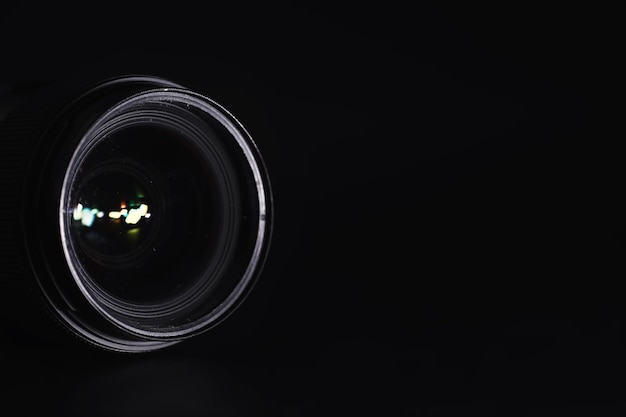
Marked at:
<point>449,220</point>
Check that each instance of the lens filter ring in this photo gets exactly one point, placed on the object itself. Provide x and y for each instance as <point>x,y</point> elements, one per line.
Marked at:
<point>163,214</point>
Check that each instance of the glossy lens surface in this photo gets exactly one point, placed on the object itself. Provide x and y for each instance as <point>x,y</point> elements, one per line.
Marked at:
<point>163,215</point>
<point>152,215</point>
<point>112,215</point>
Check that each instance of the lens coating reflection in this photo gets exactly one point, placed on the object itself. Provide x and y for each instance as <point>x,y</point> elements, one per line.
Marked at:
<point>112,216</point>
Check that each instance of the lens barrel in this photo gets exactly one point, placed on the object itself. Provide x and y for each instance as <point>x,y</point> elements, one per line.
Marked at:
<point>137,210</point>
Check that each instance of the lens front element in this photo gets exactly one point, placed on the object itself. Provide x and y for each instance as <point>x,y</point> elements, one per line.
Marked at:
<point>163,214</point>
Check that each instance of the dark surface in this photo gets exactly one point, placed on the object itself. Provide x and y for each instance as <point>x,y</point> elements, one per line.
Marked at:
<point>448,182</point>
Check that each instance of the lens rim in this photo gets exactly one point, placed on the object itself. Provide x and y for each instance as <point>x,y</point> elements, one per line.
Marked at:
<point>208,107</point>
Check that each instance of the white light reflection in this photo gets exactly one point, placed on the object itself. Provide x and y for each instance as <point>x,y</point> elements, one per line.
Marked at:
<point>135,214</point>
<point>87,216</point>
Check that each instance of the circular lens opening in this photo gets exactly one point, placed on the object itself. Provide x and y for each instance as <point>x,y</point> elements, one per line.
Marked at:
<point>157,199</point>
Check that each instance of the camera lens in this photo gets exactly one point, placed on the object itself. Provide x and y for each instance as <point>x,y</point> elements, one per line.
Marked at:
<point>157,214</point>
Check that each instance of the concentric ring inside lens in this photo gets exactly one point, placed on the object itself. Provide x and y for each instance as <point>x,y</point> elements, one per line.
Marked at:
<point>153,213</point>
<point>164,214</point>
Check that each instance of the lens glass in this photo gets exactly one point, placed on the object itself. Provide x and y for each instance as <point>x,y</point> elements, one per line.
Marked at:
<point>112,215</point>
<point>163,214</point>
<point>152,218</point>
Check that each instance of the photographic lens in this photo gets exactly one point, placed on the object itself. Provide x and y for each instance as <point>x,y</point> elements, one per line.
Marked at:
<point>162,214</point>
<point>150,213</point>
